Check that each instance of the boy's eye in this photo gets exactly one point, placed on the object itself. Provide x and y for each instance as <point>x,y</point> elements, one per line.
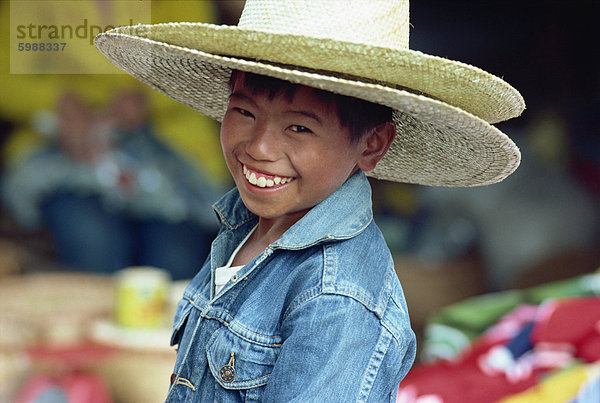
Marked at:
<point>244,112</point>
<point>300,129</point>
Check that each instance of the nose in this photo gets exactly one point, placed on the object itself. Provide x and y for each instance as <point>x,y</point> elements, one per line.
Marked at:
<point>263,144</point>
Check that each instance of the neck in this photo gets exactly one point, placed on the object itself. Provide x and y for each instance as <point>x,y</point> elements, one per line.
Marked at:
<point>267,232</point>
<point>271,229</point>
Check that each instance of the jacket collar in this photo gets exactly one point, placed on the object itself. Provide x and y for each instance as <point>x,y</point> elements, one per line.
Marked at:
<point>342,215</point>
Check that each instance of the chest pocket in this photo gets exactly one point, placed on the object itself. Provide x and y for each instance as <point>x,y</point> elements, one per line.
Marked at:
<point>237,363</point>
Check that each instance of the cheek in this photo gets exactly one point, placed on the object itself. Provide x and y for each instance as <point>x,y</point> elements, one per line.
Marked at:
<point>227,136</point>
<point>337,159</point>
<point>333,168</point>
<point>224,143</point>
<point>228,145</point>
<point>324,169</point>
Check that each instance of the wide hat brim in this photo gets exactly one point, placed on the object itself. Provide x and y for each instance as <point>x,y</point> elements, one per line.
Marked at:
<point>443,109</point>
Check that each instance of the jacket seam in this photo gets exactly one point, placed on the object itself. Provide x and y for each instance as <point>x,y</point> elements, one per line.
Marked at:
<point>243,384</point>
<point>260,261</point>
<point>326,257</point>
<point>246,338</point>
<point>234,291</point>
<point>386,287</point>
<point>180,367</point>
<point>301,299</point>
<point>325,239</point>
<point>193,303</point>
<point>331,287</point>
<point>372,370</point>
<point>357,295</point>
<point>223,321</point>
<point>399,340</point>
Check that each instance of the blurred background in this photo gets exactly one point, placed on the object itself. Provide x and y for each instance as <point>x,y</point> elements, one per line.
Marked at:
<point>100,173</point>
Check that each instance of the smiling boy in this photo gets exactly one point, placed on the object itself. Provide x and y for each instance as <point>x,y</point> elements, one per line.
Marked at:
<point>288,152</point>
<point>299,300</point>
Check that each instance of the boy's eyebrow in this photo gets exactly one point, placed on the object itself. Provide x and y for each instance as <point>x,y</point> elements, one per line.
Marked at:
<point>242,97</point>
<point>308,114</point>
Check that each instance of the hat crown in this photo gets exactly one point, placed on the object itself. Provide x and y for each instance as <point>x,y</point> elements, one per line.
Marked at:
<point>382,23</point>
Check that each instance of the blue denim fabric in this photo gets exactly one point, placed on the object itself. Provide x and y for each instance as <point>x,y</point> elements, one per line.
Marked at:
<point>319,316</point>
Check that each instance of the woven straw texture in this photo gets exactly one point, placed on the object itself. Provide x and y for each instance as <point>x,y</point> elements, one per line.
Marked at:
<point>443,108</point>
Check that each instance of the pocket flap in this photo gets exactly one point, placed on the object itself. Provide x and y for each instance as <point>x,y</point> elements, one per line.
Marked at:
<point>237,363</point>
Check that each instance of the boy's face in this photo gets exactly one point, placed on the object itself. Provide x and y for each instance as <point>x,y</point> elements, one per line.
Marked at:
<point>285,156</point>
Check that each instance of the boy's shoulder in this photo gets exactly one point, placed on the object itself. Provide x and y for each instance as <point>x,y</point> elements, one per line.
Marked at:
<point>361,265</point>
<point>360,268</point>
<point>363,269</point>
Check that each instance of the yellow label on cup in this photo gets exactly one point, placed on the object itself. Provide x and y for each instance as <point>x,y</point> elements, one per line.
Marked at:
<point>142,297</point>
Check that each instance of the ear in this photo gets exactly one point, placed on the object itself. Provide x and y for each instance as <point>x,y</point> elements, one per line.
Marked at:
<point>376,144</point>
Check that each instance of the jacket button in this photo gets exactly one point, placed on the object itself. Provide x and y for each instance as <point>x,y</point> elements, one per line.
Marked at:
<point>227,373</point>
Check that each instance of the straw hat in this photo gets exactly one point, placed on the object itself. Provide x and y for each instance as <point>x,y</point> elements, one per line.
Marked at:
<point>443,109</point>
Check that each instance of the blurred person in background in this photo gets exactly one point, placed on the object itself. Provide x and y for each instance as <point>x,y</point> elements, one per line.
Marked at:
<point>110,193</point>
<point>114,172</point>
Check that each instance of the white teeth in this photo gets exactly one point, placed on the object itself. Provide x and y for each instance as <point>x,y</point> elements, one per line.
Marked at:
<point>262,181</point>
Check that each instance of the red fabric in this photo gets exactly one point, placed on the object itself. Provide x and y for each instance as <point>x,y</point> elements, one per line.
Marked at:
<point>575,321</point>
<point>76,387</point>
<point>564,329</point>
<point>460,382</point>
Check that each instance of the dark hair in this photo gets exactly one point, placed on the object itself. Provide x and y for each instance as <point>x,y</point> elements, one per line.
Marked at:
<point>358,115</point>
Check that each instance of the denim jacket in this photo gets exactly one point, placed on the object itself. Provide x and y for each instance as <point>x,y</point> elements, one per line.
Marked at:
<point>319,316</point>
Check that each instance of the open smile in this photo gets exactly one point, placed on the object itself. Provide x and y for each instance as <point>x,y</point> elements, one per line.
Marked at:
<point>265,180</point>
